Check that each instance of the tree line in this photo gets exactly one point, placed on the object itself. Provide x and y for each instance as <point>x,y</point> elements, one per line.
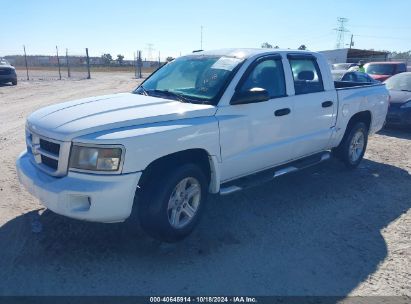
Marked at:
<point>267,45</point>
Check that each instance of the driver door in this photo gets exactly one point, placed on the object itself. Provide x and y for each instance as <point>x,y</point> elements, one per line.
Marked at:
<point>256,136</point>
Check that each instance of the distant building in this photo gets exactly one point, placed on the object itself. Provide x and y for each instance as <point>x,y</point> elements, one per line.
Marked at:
<point>353,55</point>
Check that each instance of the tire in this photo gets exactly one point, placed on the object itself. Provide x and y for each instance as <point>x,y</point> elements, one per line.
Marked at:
<point>14,82</point>
<point>167,202</point>
<point>353,145</point>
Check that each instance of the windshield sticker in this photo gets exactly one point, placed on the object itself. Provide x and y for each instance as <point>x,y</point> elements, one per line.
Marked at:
<point>226,63</point>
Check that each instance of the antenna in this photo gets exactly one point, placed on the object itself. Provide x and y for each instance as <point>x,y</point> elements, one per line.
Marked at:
<point>341,30</point>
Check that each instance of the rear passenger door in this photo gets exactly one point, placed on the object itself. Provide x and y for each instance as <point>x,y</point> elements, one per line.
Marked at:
<point>314,106</point>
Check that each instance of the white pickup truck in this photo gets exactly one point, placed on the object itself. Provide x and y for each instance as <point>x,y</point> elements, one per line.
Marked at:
<point>210,122</point>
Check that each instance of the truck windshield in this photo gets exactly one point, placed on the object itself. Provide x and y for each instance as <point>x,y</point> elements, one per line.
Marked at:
<point>380,69</point>
<point>196,78</point>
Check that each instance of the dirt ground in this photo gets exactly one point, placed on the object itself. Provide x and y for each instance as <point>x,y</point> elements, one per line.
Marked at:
<point>322,231</point>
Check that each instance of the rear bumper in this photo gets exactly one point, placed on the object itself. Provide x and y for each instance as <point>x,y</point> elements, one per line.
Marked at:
<point>97,198</point>
<point>398,116</point>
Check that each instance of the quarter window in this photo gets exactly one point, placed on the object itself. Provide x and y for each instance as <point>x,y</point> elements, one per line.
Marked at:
<point>307,75</point>
<point>268,75</point>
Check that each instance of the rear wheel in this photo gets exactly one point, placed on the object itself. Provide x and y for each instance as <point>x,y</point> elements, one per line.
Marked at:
<point>14,82</point>
<point>352,148</point>
<point>171,205</point>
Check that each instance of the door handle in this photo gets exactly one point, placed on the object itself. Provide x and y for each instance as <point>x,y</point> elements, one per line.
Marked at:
<point>327,104</point>
<point>282,112</point>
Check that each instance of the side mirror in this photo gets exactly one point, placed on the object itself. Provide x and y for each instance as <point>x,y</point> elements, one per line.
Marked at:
<point>251,96</point>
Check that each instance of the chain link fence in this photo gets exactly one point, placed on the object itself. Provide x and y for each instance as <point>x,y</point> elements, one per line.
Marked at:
<point>74,64</point>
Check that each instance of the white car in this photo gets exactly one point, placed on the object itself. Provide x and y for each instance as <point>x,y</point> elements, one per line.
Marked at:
<point>210,122</point>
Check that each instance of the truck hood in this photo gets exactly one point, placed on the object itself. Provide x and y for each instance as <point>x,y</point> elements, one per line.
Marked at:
<point>68,120</point>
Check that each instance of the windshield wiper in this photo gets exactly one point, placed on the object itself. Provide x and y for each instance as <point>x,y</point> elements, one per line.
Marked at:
<point>144,90</point>
<point>178,96</point>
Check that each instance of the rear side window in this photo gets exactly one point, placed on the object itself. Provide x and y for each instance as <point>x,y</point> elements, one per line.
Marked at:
<point>349,77</point>
<point>362,78</point>
<point>307,75</point>
<point>401,68</point>
<point>267,74</point>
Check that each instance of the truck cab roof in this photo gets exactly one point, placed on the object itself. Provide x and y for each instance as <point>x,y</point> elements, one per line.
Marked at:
<point>245,53</point>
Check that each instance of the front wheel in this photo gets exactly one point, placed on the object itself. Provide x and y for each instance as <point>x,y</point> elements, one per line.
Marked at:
<point>171,205</point>
<point>352,148</point>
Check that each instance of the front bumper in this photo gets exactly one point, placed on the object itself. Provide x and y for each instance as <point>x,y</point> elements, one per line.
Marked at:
<point>91,197</point>
<point>8,78</point>
<point>399,116</point>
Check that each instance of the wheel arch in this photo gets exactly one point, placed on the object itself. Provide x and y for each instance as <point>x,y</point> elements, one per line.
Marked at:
<point>363,116</point>
<point>208,163</point>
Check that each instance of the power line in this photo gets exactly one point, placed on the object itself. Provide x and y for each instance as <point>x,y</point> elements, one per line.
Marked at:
<point>380,26</point>
<point>381,37</point>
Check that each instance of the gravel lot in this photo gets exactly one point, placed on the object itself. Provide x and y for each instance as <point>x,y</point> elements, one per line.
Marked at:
<point>322,231</point>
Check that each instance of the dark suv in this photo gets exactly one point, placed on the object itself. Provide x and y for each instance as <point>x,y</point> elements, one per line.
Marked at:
<point>7,72</point>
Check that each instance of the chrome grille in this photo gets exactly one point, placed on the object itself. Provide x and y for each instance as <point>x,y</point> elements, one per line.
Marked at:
<point>50,146</point>
<point>48,154</point>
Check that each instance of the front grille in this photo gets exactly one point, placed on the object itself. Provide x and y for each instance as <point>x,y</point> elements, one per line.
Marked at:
<point>49,155</point>
<point>50,146</point>
<point>49,162</point>
<point>5,71</point>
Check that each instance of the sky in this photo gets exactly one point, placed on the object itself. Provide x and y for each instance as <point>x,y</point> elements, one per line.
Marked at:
<point>174,27</point>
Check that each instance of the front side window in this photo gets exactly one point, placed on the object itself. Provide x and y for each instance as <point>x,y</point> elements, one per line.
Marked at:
<point>268,75</point>
<point>307,76</point>
<point>197,78</point>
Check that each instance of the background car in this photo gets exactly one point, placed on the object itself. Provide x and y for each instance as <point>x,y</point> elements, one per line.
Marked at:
<point>399,111</point>
<point>342,66</point>
<point>343,75</point>
<point>7,72</point>
<point>383,70</point>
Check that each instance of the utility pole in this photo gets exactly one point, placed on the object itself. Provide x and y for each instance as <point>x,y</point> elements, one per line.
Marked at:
<point>88,64</point>
<point>139,65</point>
<point>68,65</point>
<point>25,59</point>
<point>201,37</point>
<point>135,65</point>
<point>341,30</point>
<point>351,41</point>
<point>58,61</point>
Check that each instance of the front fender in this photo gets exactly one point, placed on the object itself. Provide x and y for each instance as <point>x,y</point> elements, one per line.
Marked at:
<point>146,143</point>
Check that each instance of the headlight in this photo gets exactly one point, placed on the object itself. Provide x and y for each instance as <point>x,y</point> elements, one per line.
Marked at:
<point>406,105</point>
<point>95,158</point>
